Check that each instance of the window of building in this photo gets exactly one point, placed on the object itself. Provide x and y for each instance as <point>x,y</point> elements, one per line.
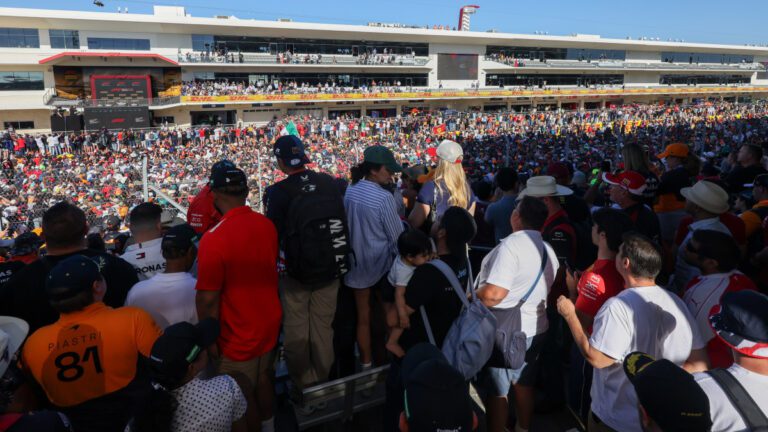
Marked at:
<point>202,42</point>
<point>544,53</point>
<point>163,120</point>
<point>266,45</point>
<point>118,44</point>
<point>18,125</point>
<point>680,79</point>
<point>64,39</point>
<point>542,80</point>
<point>693,57</point>
<point>12,81</point>
<point>19,38</point>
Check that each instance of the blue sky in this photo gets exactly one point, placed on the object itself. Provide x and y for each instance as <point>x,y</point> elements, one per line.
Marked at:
<point>691,20</point>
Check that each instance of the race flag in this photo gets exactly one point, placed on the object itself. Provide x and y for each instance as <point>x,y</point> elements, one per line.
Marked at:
<point>438,130</point>
<point>290,129</point>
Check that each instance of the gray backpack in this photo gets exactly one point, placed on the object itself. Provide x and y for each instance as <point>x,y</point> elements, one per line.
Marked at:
<point>470,340</point>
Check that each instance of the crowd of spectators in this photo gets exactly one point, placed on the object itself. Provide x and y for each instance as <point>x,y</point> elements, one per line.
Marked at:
<point>624,249</point>
<point>237,88</point>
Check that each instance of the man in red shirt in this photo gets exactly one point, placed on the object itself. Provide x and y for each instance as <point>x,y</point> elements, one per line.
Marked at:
<point>237,283</point>
<point>202,214</point>
<point>717,255</point>
<point>596,285</point>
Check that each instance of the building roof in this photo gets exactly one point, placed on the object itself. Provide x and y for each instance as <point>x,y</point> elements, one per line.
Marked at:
<point>61,57</point>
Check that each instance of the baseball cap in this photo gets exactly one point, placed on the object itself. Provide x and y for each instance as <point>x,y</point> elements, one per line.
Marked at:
<point>450,151</point>
<point>676,149</point>
<point>631,181</point>
<point>222,165</point>
<point>383,156</point>
<point>178,347</point>
<point>232,177</point>
<point>179,237</point>
<point>741,321</point>
<point>670,395</point>
<point>761,180</point>
<point>71,276</point>
<point>13,331</point>
<point>26,244</point>
<point>290,149</point>
<point>436,395</point>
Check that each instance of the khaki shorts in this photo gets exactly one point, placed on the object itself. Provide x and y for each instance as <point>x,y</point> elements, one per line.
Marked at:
<point>248,373</point>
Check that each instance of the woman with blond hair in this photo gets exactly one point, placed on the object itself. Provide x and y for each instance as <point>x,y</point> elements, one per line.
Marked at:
<point>636,159</point>
<point>448,188</point>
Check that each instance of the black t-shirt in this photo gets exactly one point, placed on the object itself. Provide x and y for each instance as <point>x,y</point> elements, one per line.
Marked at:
<point>741,176</point>
<point>8,269</point>
<point>651,187</point>
<point>29,301</point>
<point>41,421</point>
<point>646,221</point>
<point>428,287</point>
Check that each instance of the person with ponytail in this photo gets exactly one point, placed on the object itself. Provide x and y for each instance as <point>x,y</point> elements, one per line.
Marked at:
<point>182,402</point>
<point>449,188</point>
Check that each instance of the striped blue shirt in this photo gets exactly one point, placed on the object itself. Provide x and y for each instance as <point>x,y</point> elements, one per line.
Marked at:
<point>373,230</point>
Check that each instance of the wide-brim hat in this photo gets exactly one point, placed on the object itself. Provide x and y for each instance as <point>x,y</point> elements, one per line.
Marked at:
<point>544,186</point>
<point>708,196</point>
<point>13,332</point>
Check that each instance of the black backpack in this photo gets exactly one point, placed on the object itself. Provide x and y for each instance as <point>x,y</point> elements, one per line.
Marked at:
<point>316,237</point>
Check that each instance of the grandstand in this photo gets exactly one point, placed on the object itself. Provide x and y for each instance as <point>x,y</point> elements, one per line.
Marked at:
<point>120,70</point>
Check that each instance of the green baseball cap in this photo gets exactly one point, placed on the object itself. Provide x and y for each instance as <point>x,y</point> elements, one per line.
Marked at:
<point>383,156</point>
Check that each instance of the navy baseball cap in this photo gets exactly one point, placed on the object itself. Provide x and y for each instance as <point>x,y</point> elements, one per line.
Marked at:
<point>290,149</point>
<point>179,237</point>
<point>178,347</point>
<point>741,321</point>
<point>71,277</point>
<point>222,165</point>
<point>232,177</point>
<point>669,394</point>
<point>26,244</point>
<point>436,394</point>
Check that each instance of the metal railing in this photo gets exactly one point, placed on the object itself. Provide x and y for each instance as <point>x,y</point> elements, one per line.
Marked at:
<point>110,103</point>
<point>299,59</point>
<point>621,64</point>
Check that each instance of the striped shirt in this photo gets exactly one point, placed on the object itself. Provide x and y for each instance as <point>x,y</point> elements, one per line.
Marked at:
<point>373,230</point>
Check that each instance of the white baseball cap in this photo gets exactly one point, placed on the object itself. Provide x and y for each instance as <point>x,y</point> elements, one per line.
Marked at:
<point>13,331</point>
<point>450,151</point>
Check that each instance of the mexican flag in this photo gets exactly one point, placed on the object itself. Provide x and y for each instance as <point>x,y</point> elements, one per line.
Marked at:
<point>289,129</point>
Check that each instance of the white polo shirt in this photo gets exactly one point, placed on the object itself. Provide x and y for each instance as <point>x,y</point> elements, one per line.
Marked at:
<point>146,258</point>
<point>647,319</point>
<point>513,265</point>
<point>725,418</point>
<point>168,297</point>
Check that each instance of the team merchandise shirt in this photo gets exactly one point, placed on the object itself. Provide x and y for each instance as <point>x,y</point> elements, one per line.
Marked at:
<point>208,405</point>
<point>146,258</point>
<point>168,297</point>
<point>89,353</point>
<point>668,331</point>
<point>725,417</point>
<point>202,214</point>
<point>238,258</point>
<point>596,285</point>
<point>702,294</point>
<point>514,265</point>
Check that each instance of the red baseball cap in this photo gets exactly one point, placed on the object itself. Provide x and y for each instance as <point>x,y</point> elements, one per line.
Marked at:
<point>631,181</point>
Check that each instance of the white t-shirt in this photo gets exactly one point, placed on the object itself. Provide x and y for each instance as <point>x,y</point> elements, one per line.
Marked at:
<point>513,265</point>
<point>168,297</point>
<point>725,418</point>
<point>647,319</point>
<point>146,258</point>
<point>400,273</point>
<point>705,293</point>
<point>208,405</point>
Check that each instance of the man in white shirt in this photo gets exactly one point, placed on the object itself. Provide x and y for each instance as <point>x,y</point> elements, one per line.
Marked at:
<point>510,272</point>
<point>169,297</point>
<point>705,201</point>
<point>644,317</point>
<point>145,254</point>
<point>741,321</point>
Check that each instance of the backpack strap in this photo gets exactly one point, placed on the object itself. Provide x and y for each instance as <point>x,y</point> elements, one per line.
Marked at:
<point>746,406</point>
<point>451,276</point>
<point>427,327</point>
<point>544,259</point>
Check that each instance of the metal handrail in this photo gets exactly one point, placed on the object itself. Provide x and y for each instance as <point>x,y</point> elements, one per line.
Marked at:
<point>345,60</point>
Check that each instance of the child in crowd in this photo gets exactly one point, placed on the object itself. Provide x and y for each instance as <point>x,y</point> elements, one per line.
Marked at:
<point>414,248</point>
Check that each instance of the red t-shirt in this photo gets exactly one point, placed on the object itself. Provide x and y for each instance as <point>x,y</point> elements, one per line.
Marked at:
<point>238,257</point>
<point>202,214</point>
<point>596,285</point>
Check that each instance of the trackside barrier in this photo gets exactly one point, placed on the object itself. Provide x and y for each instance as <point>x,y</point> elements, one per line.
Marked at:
<point>344,397</point>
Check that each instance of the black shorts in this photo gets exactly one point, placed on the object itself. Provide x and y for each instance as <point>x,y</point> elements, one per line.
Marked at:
<point>387,291</point>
